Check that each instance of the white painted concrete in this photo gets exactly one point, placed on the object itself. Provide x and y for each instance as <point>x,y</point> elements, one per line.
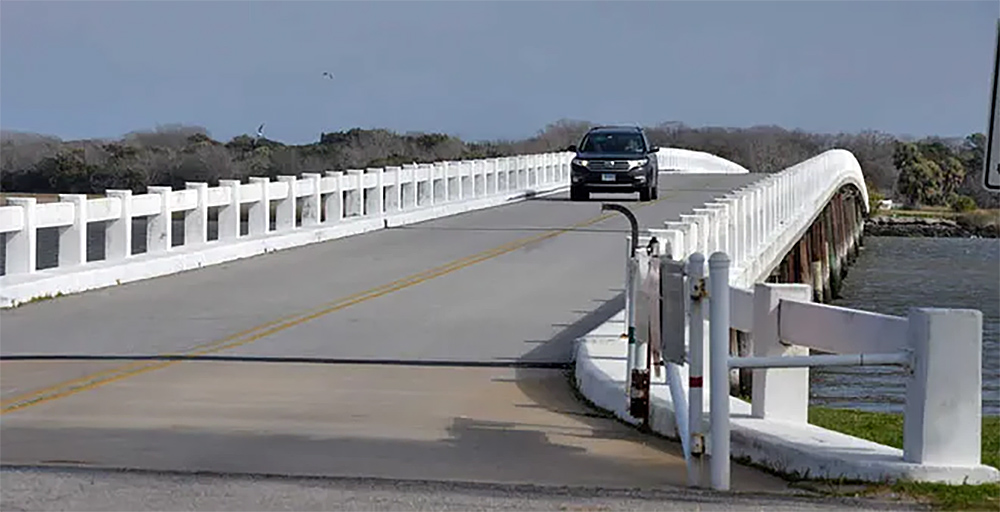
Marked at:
<point>786,446</point>
<point>758,226</point>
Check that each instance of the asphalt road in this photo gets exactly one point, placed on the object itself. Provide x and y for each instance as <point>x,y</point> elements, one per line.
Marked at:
<point>448,317</point>
<point>34,489</point>
<point>510,283</point>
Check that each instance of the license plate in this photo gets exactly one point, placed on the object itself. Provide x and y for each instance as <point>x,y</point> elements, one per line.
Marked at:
<point>607,177</point>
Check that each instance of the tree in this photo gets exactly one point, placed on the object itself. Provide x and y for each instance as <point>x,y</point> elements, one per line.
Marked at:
<point>919,177</point>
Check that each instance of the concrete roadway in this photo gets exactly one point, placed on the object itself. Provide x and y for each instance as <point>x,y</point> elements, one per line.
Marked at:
<point>438,353</point>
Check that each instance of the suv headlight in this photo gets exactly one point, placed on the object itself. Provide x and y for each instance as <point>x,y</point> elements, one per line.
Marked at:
<point>637,163</point>
<point>580,162</point>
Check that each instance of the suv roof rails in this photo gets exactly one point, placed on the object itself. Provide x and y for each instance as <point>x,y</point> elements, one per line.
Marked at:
<point>617,127</point>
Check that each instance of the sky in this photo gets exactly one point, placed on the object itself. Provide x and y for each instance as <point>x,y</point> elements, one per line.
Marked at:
<point>493,69</point>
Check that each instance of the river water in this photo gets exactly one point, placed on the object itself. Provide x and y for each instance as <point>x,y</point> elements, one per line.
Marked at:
<point>894,274</point>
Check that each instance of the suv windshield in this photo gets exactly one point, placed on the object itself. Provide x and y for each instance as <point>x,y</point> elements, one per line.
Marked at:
<point>613,142</point>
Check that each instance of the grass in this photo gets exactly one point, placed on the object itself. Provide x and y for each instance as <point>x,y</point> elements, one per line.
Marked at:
<point>887,429</point>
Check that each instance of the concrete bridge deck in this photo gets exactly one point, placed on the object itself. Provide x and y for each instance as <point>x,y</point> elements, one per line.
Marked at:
<point>448,316</point>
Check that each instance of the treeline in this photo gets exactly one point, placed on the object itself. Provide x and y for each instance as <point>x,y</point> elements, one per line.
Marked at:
<point>932,171</point>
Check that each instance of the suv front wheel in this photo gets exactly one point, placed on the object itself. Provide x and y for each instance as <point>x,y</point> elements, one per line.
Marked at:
<point>578,193</point>
<point>648,192</point>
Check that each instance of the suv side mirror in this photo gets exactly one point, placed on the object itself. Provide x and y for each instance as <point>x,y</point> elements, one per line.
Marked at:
<point>653,149</point>
<point>571,147</point>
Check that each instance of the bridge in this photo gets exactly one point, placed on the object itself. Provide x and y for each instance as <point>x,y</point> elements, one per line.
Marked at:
<point>419,321</point>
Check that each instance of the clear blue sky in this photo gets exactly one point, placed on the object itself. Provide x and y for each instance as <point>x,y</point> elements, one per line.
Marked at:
<point>482,69</point>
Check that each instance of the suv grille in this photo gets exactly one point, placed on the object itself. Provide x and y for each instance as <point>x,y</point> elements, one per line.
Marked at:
<point>614,165</point>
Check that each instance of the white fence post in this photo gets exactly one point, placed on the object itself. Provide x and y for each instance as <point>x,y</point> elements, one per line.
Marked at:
<point>22,245</point>
<point>284,214</point>
<point>118,232</point>
<point>160,226</point>
<point>260,210</point>
<point>778,393</point>
<point>719,324</point>
<point>333,205</point>
<point>943,416</point>
<point>354,198</point>
<point>230,214</point>
<point>196,220</point>
<point>311,210</point>
<point>73,238</point>
<point>696,351</point>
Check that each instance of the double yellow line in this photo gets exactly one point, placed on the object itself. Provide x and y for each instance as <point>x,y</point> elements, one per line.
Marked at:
<point>97,379</point>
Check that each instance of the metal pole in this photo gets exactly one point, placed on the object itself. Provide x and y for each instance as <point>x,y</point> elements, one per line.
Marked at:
<point>636,380</point>
<point>631,219</point>
<point>630,321</point>
<point>718,268</point>
<point>696,349</point>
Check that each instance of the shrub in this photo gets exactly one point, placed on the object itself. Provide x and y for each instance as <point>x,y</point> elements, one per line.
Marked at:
<point>960,203</point>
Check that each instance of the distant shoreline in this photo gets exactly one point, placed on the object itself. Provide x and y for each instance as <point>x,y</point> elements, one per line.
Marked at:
<point>929,227</point>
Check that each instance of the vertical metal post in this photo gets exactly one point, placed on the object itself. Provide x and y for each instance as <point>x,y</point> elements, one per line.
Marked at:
<point>718,268</point>
<point>637,380</point>
<point>696,349</point>
<point>630,319</point>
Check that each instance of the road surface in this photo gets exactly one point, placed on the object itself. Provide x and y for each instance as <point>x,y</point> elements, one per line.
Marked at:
<point>436,351</point>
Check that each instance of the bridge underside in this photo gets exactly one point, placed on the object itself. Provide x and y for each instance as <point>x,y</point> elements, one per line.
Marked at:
<point>432,351</point>
<point>820,259</point>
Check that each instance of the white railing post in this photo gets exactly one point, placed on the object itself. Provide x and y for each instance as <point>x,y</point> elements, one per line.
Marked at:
<point>196,220</point>
<point>73,238</point>
<point>377,203</point>
<point>333,205</point>
<point>943,417</point>
<point>719,324</point>
<point>395,197</point>
<point>22,245</point>
<point>311,209</point>
<point>696,350</point>
<point>118,232</point>
<point>778,393</point>
<point>408,188</point>
<point>449,187</point>
<point>230,215</point>
<point>160,226</point>
<point>354,198</point>
<point>709,227</point>
<point>259,215</point>
<point>413,201</point>
<point>755,221</point>
<point>284,214</point>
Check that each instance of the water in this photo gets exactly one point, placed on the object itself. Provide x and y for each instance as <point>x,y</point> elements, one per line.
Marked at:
<point>894,274</point>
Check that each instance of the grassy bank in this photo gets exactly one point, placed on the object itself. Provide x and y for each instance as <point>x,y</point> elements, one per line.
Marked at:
<point>934,212</point>
<point>887,429</point>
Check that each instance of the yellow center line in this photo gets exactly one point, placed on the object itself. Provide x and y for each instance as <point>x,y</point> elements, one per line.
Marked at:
<point>247,336</point>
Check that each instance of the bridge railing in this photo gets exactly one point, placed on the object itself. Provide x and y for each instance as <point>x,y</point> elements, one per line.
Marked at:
<point>686,160</point>
<point>333,204</point>
<point>940,349</point>
<point>758,224</point>
<point>333,198</point>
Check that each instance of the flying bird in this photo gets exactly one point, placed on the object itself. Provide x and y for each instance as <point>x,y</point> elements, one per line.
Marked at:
<point>328,74</point>
<point>260,130</point>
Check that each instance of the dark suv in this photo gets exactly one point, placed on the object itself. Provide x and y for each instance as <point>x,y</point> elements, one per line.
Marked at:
<point>614,159</point>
